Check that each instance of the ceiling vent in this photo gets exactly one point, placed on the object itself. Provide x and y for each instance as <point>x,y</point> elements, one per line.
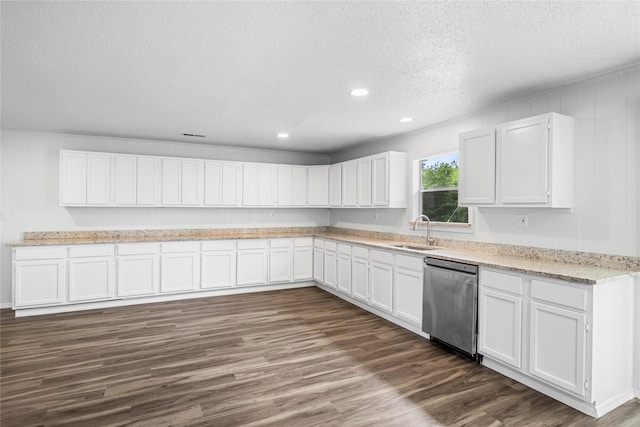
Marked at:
<point>193,134</point>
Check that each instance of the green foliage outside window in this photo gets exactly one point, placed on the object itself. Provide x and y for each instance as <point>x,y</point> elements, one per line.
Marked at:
<point>439,195</point>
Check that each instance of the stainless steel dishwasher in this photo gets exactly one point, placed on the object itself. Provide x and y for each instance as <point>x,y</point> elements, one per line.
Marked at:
<point>450,304</point>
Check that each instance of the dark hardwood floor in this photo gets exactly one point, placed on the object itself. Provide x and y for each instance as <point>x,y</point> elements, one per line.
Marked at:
<point>299,357</point>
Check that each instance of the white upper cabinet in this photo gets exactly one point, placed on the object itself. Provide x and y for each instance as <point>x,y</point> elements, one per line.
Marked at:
<point>148,181</point>
<point>125,170</point>
<point>534,164</point>
<point>85,178</point>
<point>364,182</point>
<point>258,184</point>
<point>350,184</point>
<point>477,168</point>
<point>389,180</point>
<point>213,183</point>
<point>335,185</point>
<point>171,181</point>
<point>318,186</point>
<point>223,183</point>
<point>292,185</point>
<point>98,179</point>
<point>192,182</point>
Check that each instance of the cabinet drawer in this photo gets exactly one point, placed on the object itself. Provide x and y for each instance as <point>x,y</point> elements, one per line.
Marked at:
<point>280,243</point>
<point>90,251</point>
<point>359,252</point>
<point>344,249</point>
<point>559,294</point>
<point>318,243</point>
<point>410,262</point>
<point>138,248</point>
<point>45,252</point>
<point>303,242</point>
<point>330,246</point>
<point>252,244</point>
<point>174,247</point>
<point>380,256</point>
<point>501,281</point>
<point>219,245</point>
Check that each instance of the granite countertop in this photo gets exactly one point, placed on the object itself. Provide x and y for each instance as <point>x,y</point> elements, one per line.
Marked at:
<point>586,268</point>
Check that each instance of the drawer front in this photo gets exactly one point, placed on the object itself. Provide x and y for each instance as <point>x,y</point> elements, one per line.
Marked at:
<point>318,243</point>
<point>174,247</point>
<point>219,245</point>
<point>280,243</point>
<point>410,262</point>
<point>253,244</point>
<point>559,294</point>
<point>82,251</point>
<point>138,248</point>
<point>359,252</point>
<point>344,249</point>
<point>44,252</point>
<point>303,242</point>
<point>380,256</point>
<point>330,246</point>
<point>501,281</point>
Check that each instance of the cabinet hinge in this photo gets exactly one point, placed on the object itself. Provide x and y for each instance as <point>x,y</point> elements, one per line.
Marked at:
<point>587,327</point>
<point>586,384</point>
<point>548,124</point>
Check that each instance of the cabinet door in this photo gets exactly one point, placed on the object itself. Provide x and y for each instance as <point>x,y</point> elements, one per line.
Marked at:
<point>500,326</point>
<point>408,285</point>
<point>285,186</point>
<point>364,182</point>
<point>213,183</point>
<point>179,272</point>
<point>90,278</point>
<point>477,169</point>
<point>148,181</point>
<point>349,184</point>
<point>318,265</point>
<point>98,179</point>
<point>344,273</point>
<point>335,185</point>
<point>280,265</point>
<point>218,269</point>
<point>171,182</point>
<point>303,263</point>
<point>382,286</point>
<point>125,177</point>
<point>73,178</point>
<point>318,186</point>
<point>138,275</point>
<point>299,186</point>
<point>380,179</point>
<point>192,182</point>
<point>252,267</point>
<point>231,184</point>
<point>523,161</point>
<point>38,282</point>
<point>360,282</point>
<point>250,184</point>
<point>330,268</point>
<point>557,346</point>
<point>267,185</point>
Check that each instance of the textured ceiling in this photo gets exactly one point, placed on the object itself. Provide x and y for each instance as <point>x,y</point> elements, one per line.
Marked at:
<point>239,72</point>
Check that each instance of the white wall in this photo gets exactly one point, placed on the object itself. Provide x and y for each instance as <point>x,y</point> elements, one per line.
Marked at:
<point>607,200</point>
<point>29,192</point>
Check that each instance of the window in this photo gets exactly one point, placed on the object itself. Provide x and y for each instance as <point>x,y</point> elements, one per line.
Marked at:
<point>439,190</point>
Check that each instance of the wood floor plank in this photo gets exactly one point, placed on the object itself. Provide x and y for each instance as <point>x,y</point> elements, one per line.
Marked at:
<point>299,357</point>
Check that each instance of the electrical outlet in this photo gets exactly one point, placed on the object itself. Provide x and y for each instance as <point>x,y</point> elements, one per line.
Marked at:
<point>4,215</point>
<point>375,216</point>
<point>273,213</point>
<point>522,220</point>
<point>149,214</point>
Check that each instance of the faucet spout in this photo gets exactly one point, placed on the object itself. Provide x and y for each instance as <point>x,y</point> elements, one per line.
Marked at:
<point>429,240</point>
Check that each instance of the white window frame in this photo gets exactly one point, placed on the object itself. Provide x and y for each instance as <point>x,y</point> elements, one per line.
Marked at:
<point>416,180</point>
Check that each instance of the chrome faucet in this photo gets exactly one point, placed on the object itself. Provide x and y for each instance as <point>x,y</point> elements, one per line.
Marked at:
<point>429,240</point>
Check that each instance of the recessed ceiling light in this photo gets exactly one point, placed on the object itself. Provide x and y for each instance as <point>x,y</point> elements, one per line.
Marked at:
<point>359,92</point>
<point>406,119</point>
<point>283,135</point>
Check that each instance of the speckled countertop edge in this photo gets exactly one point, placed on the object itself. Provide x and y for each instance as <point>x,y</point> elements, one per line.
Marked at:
<point>579,267</point>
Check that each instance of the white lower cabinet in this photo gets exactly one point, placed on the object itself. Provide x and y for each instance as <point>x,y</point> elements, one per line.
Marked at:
<point>381,264</point>
<point>344,268</point>
<point>138,269</point>
<point>330,264</point>
<point>303,258</point>
<point>218,264</point>
<point>280,260</point>
<point>252,262</point>
<point>179,266</point>
<point>408,284</point>
<point>318,260</point>
<point>38,276</point>
<point>91,272</point>
<point>360,273</point>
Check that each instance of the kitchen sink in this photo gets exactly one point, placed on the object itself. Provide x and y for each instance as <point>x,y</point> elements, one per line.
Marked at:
<point>414,247</point>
